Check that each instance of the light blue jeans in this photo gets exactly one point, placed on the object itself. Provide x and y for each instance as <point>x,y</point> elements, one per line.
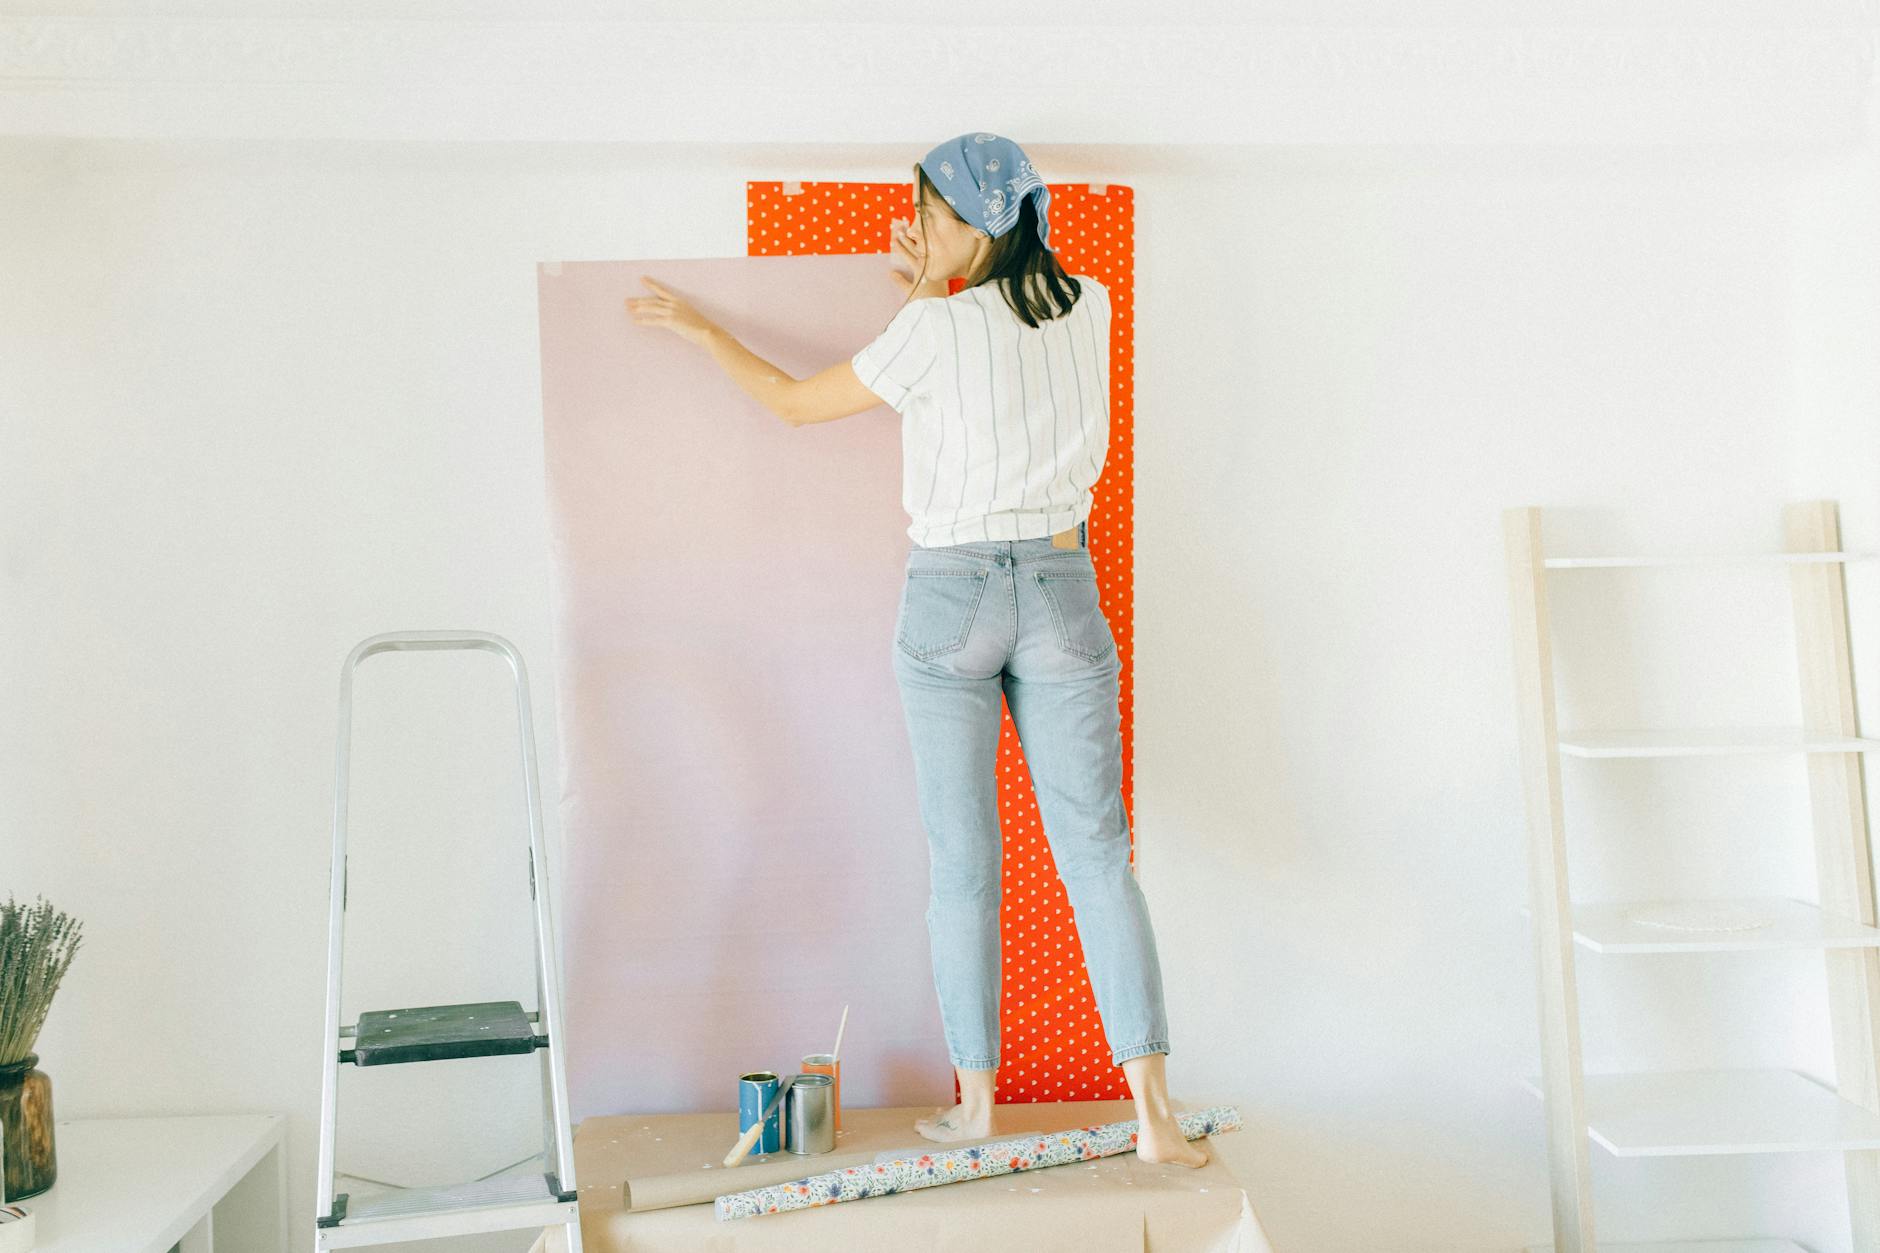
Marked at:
<point>1021,618</point>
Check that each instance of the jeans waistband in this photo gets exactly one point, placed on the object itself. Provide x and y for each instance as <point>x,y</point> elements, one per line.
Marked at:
<point>1080,533</point>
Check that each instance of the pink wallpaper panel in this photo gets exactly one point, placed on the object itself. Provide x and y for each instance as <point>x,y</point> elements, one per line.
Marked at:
<point>743,853</point>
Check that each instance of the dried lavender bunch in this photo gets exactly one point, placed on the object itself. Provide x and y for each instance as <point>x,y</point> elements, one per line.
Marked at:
<point>37,943</point>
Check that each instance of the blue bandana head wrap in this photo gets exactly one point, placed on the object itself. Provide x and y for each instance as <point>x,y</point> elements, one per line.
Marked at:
<point>985,177</point>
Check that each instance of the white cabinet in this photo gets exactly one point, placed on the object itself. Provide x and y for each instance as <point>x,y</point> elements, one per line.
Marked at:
<point>149,1185</point>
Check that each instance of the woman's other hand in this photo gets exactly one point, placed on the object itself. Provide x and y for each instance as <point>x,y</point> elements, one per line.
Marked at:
<point>665,309</point>
<point>908,253</point>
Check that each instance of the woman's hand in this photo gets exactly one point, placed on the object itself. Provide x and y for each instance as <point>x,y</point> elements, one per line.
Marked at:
<point>670,311</point>
<point>910,254</point>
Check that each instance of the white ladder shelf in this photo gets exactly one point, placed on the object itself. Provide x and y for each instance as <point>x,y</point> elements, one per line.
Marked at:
<point>1680,1113</point>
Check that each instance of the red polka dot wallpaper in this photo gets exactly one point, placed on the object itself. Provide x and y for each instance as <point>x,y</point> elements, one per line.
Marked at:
<point>1052,1046</point>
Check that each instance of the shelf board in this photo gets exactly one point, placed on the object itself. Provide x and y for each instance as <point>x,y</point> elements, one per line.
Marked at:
<point>1689,1246</point>
<point>1707,741</point>
<point>1708,559</point>
<point>1688,1113</point>
<point>1721,926</point>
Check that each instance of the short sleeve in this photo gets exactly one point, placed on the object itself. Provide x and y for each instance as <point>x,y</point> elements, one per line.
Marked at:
<point>899,361</point>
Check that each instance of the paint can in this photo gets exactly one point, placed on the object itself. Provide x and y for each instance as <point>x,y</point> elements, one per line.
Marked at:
<point>827,1064</point>
<point>811,1125</point>
<point>754,1092</point>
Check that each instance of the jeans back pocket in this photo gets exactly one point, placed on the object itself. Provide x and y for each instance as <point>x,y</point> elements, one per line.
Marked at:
<point>937,611</point>
<point>1077,611</point>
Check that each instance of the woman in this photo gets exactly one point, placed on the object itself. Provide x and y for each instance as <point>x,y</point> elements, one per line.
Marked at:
<point>1003,390</point>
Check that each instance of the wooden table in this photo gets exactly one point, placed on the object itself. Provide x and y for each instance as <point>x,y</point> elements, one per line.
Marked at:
<point>1117,1204</point>
<point>150,1185</point>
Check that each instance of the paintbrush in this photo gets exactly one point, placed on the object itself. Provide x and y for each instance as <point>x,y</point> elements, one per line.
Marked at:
<point>743,1147</point>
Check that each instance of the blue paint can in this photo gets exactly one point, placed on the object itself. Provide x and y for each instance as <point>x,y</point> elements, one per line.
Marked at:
<point>754,1092</point>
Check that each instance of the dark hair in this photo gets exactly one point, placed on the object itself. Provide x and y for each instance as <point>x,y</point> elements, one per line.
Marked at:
<point>1028,273</point>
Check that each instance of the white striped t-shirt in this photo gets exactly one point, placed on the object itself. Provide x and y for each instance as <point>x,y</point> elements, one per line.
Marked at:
<point>1004,426</point>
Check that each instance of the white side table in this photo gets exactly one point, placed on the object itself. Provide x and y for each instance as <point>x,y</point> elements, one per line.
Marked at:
<point>148,1185</point>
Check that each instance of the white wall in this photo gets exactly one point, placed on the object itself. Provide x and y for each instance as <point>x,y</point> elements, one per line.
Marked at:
<point>259,400</point>
<point>1327,784</point>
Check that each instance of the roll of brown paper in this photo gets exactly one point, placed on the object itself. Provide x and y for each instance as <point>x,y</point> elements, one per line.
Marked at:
<point>696,1187</point>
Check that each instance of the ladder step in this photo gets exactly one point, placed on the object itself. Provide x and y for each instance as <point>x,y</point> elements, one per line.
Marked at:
<point>431,1033</point>
<point>504,1204</point>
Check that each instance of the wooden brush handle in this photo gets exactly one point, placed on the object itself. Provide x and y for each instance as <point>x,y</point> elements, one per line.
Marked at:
<point>744,1144</point>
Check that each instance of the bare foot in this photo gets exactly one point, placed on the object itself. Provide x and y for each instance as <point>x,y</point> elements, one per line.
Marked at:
<point>1161,1140</point>
<point>957,1122</point>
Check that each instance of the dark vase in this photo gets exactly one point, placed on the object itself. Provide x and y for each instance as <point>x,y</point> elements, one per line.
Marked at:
<point>26,1130</point>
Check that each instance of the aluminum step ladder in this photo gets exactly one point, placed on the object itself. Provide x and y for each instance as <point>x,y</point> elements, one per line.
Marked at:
<point>440,1032</point>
